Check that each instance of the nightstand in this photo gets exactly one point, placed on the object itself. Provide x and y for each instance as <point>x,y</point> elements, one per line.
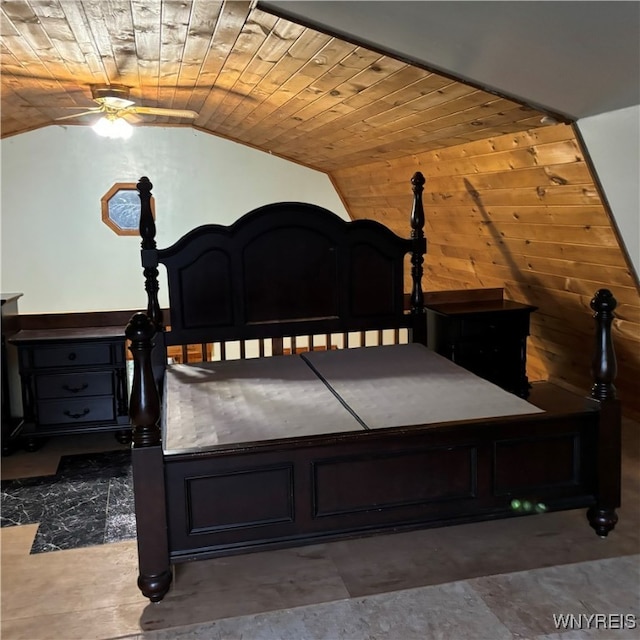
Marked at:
<point>11,421</point>
<point>487,337</point>
<point>73,381</point>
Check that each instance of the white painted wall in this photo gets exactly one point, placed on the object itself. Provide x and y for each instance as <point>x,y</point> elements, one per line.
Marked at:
<point>59,253</point>
<point>613,141</point>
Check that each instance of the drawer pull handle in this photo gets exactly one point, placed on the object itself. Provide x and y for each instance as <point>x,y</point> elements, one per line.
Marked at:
<point>72,356</point>
<point>75,416</point>
<point>82,387</point>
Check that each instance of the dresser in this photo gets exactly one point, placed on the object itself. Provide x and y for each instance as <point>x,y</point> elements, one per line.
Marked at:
<point>487,337</point>
<point>73,381</point>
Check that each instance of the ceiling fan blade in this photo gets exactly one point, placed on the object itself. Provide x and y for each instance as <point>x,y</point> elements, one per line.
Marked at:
<point>131,117</point>
<point>85,108</point>
<point>77,115</point>
<point>157,111</point>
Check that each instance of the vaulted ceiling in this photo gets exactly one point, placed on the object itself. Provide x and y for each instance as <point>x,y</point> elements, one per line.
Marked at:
<point>252,77</point>
<point>510,202</point>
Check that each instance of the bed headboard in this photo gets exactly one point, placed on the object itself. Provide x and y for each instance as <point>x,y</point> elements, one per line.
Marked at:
<point>285,269</point>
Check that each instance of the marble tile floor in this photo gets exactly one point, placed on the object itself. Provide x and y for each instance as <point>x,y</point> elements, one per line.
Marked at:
<point>88,501</point>
<point>499,579</point>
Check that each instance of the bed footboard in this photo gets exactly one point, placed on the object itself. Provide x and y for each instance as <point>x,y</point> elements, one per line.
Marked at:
<point>198,505</point>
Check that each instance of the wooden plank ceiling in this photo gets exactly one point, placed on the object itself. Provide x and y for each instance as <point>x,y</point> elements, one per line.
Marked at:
<point>252,78</point>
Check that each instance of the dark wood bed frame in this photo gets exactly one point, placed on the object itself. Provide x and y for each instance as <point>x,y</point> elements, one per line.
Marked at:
<point>292,269</point>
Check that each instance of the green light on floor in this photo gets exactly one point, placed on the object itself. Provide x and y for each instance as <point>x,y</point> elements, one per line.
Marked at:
<point>527,506</point>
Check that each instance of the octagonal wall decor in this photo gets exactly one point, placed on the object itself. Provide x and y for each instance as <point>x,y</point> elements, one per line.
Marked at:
<point>121,208</point>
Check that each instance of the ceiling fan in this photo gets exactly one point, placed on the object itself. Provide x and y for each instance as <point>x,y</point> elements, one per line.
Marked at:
<point>116,109</point>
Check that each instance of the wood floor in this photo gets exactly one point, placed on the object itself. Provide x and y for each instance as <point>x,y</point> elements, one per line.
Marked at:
<point>501,579</point>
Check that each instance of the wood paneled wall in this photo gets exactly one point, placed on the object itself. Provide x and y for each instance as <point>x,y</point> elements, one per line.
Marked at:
<point>521,212</point>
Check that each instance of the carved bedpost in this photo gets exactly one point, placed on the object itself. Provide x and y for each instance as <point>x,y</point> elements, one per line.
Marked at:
<point>147,230</point>
<point>154,576</point>
<point>144,407</point>
<point>602,516</point>
<point>604,366</point>
<point>418,250</point>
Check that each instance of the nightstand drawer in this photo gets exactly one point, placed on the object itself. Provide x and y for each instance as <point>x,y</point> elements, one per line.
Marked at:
<point>76,411</point>
<point>74,385</point>
<point>491,324</point>
<point>493,352</point>
<point>72,355</point>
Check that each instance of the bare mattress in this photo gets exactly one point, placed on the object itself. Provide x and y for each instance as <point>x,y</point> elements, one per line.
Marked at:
<point>217,404</point>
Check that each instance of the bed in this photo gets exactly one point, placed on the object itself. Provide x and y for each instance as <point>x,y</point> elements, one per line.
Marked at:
<point>335,420</point>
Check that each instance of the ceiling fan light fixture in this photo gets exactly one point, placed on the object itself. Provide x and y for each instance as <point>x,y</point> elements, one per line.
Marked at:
<point>113,128</point>
<point>116,95</point>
